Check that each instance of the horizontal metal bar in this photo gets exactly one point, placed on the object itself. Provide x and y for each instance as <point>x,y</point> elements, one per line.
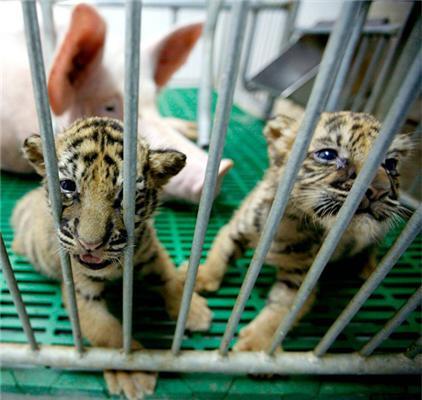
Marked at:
<point>130,152</point>
<point>291,363</point>
<point>393,323</point>
<point>386,30</point>
<point>397,114</point>
<point>9,276</point>
<point>33,45</point>
<point>347,58</point>
<point>218,136</point>
<point>316,104</point>
<point>405,239</point>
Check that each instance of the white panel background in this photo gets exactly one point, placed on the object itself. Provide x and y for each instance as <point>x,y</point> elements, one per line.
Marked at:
<point>155,22</point>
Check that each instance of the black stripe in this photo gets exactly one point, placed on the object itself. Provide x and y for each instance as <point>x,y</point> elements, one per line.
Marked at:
<point>101,123</point>
<point>290,284</point>
<point>120,240</point>
<point>94,136</point>
<point>76,143</point>
<point>89,297</point>
<point>109,160</point>
<point>90,157</point>
<point>65,241</point>
<point>150,260</point>
<point>108,231</point>
<point>66,233</point>
<point>96,278</point>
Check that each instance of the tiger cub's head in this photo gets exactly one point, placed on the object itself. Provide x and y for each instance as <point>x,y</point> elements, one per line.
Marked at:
<point>90,163</point>
<point>340,144</point>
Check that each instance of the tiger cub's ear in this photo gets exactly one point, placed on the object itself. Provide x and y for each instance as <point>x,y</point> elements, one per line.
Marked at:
<point>32,151</point>
<point>280,133</point>
<point>165,164</point>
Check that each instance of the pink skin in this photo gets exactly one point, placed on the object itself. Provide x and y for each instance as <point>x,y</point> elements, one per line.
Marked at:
<point>85,80</point>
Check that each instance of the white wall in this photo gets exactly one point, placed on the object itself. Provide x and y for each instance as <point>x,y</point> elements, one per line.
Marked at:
<point>156,22</point>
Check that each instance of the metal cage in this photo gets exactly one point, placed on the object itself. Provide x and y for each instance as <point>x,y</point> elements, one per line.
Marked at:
<point>404,88</point>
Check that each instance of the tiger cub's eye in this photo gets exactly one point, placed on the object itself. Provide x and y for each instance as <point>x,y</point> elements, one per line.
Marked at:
<point>325,155</point>
<point>390,165</point>
<point>67,185</point>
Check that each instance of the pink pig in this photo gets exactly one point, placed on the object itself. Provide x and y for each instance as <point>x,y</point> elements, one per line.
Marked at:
<point>84,81</point>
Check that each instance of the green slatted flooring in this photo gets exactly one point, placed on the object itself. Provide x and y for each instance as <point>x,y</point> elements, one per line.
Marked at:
<point>175,225</point>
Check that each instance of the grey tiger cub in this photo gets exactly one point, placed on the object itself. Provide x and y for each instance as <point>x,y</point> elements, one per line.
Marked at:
<point>90,162</point>
<point>341,142</point>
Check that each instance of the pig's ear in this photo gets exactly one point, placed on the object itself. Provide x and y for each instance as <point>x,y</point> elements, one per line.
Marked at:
<point>78,58</point>
<point>172,51</point>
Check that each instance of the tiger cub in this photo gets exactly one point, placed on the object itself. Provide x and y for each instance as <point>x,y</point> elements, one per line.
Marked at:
<point>341,142</point>
<point>90,163</point>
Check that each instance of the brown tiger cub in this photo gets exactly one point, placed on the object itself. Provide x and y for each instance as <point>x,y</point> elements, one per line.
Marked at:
<point>90,163</point>
<point>341,142</point>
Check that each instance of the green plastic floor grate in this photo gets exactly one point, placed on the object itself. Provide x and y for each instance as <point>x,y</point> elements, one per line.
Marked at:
<point>175,225</point>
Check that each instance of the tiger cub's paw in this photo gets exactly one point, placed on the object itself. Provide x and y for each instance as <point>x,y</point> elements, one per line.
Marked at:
<point>252,339</point>
<point>205,282</point>
<point>133,384</point>
<point>199,316</point>
<point>17,246</point>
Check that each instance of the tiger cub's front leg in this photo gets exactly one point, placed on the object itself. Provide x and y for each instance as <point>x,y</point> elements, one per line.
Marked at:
<point>258,334</point>
<point>98,325</point>
<point>102,329</point>
<point>156,261</point>
<point>234,238</point>
<point>230,244</point>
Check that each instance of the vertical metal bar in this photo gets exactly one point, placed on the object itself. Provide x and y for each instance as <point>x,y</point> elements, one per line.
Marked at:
<point>396,116</point>
<point>174,14</point>
<point>269,105</point>
<point>206,82</point>
<point>16,295</point>
<point>289,25</point>
<point>358,24</point>
<point>397,76</point>
<point>33,44</point>
<point>131,88</point>
<point>356,67</point>
<point>380,82</point>
<point>392,324</point>
<point>316,104</point>
<point>244,68</point>
<point>409,233</point>
<point>224,105</point>
<point>390,58</point>
<point>369,74</point>
<point>49,28</point>
<point>409,201</point>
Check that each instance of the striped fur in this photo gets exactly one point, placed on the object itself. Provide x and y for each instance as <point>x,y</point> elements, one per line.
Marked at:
<point>319,191</point>
<point>90,154</point>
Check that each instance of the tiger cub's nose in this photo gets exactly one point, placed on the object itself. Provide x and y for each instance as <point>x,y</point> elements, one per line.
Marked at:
<point>380,186</point>
<point>90,245</point>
